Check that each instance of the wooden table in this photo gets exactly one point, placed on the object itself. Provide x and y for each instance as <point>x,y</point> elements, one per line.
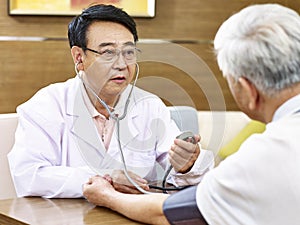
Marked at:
<point>40,211</point>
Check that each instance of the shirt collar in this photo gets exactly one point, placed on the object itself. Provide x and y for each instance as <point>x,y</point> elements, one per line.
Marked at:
<point>118,108</point>
<point>89,105</point>
<point>288,108</point>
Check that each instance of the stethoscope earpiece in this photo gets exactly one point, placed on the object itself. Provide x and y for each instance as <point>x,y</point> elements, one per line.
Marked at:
<point>76,70</point>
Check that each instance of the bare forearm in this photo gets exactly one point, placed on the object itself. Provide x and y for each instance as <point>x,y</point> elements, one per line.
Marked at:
<point>144,208</point>
<point>147,208</point>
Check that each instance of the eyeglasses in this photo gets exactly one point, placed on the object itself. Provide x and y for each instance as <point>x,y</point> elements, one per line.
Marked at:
<point>111,54</point>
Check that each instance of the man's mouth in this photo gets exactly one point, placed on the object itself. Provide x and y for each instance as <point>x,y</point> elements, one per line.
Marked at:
<point>118,78</point>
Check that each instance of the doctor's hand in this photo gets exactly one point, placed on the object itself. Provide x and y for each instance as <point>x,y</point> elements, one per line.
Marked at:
<point>122,184</point>
<point>98,190</point>
<point>183,154</point>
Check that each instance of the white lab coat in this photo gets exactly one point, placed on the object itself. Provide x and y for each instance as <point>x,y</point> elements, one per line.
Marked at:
<point>57,146</point>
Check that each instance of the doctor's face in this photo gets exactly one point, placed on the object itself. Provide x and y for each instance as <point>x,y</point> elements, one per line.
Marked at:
<point>109,59</point>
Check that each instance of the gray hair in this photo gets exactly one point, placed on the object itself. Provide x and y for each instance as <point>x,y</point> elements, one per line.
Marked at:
<point>262,44</point>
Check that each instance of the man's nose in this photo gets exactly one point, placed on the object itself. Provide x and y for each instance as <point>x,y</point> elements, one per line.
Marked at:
<point>120,61</point>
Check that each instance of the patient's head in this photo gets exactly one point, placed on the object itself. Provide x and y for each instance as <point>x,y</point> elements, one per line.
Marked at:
<point>262,44</point>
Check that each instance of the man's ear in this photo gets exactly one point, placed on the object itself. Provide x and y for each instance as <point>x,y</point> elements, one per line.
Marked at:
<point>251,92</point>
<point>77,55</point>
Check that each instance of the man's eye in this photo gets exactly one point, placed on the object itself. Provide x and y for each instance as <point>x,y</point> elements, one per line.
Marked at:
<point>108,52</point>
<point>129,52</point>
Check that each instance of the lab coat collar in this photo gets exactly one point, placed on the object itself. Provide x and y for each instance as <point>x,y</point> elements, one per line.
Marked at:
<point>84,126</point>
<point>128,127</point>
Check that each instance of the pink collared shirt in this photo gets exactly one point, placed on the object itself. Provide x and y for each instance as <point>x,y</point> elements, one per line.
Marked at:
<point>104,126</point>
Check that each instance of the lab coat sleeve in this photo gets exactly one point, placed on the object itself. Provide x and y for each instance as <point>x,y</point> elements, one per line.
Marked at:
<point>39,166</point>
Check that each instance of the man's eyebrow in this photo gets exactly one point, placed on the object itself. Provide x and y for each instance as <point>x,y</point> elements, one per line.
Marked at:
<point>107,44</point>
<point>130,43</point>
<point>104,44</point>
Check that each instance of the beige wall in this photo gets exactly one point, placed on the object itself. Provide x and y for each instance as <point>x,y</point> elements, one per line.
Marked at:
<point>187,73</point>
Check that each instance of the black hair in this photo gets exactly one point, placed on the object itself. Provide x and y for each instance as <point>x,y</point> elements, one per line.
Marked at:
<point>78,26</point>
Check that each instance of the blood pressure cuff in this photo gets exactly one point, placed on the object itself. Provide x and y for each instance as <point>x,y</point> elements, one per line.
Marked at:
<point>181,208</point>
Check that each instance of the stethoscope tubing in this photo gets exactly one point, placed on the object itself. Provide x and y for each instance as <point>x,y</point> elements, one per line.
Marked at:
<point>117,119</point>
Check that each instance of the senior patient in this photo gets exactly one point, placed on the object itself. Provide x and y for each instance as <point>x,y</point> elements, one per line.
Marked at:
<point>97,121</point>
<point>258,51</point>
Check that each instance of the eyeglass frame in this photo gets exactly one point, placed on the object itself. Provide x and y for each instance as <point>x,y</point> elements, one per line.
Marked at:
<point>118,53</point>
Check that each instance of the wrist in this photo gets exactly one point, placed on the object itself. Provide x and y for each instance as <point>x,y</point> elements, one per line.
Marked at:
<point>111,199</point>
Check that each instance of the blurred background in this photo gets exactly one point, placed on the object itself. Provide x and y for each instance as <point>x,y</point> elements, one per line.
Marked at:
<point>177,62</point>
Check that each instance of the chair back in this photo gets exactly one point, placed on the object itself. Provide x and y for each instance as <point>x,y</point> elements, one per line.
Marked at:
<point>8,125</point>
<point>185,117</point>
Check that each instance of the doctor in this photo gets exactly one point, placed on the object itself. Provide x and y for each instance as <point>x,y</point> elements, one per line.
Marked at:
<point>70,131</point>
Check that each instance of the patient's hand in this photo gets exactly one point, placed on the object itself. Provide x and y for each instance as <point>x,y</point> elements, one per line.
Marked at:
<point>122,184</point>
<point>183,154</point>
<point>98,191</point>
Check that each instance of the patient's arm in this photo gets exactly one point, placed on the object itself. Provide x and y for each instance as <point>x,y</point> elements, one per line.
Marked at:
<point>178,208</point>
<point>146,208</point>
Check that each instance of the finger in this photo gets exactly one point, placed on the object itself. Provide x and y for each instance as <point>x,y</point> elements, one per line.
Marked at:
<point>93,178</point>
<point>126,189</point>
<point>182,153</point>
<point>177,159</point>
<point>181,160</point>
<point>108,178</point>
<point>120,180</point>
<point>131,185</point>
<point>197,138</point>
<point>85,189</point>
<point>176,156</point>
<point>137,178</point>
<point>178,164</point>
<point>90,181</point>
<point>182,166</point>
<point>186,146</point>
<point>98,180</point>
<point>177,152</point>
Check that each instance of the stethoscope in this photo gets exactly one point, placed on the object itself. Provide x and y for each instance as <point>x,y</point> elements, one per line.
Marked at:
<point>103,103</point>
<point>117,119</point>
